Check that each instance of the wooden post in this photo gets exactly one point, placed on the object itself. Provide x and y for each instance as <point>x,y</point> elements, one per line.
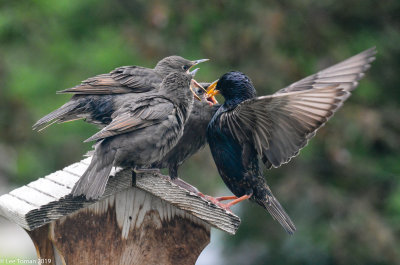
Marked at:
<point>155,222</point>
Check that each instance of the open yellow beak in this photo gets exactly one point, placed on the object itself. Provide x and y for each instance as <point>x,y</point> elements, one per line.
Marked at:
<point>212,91</point>
<point>193,84</point>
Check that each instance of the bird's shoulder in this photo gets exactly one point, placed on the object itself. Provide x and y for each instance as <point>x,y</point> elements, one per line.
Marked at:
<point>137,77</point>
<point>124,79</point>
<point>150,102</point>
<point>132,70</point>
<point>136,115</point>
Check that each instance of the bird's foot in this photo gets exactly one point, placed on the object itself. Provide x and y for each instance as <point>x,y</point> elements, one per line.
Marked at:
<point>217,200</point>
<point>227,206</point>
<point>183,184</point>
<point>146,170</point>
<point>165,177</point>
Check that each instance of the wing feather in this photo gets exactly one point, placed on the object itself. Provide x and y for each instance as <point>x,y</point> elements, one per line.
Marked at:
<point>136,116</point>
<point>125,79</point>
<point>282,124</point>
<point>346,74</point>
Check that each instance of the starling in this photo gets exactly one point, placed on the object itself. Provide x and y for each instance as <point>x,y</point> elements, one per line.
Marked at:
<point>97,98</point>
<point>97,108</point>
<point>273,128</point>
<point>140,133</point>
<point>194,134</point>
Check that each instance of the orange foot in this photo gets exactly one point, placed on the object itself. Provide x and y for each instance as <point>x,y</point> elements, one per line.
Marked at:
<point>226,206</point>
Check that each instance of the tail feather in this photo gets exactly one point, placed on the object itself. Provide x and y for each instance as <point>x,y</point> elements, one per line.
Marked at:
<point>272,205</point>
<point>93,182</point>
<point>55,116</point>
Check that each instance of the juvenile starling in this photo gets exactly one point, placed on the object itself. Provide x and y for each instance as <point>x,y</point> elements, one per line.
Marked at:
<point>273,128</point>
<point>140,133</point>
<point>194,135</point>
<point>97,98</point>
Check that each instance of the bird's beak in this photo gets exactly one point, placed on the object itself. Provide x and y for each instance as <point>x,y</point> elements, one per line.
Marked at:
<point>193,73</point>
<point>212,91</point>
<point>194,83</point>
<point>196,62</point>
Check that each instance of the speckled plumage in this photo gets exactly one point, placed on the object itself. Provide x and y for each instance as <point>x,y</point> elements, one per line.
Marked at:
<point>141,132</point>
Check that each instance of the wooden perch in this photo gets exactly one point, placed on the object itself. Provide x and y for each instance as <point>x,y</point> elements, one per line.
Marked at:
<point>154,222</point>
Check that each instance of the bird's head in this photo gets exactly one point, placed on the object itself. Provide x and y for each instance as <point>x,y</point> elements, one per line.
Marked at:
<point>235,87</point>
<point>176,64</point>
<point>178,83</point>
<point>201,91</point>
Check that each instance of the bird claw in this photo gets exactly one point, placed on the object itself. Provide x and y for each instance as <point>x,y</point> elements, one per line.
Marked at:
<point>217,201</point>
<point>165,177</point>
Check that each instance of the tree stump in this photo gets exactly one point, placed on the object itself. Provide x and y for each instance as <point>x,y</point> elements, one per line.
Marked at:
<point>152,221</point>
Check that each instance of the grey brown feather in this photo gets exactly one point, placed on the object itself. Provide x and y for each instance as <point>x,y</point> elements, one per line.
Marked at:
<point>283,123</point>
<point>96,98</point>
<point>193,138</point>
<point>141,133</point>
<point>275,209</point>
<point>346,74</point>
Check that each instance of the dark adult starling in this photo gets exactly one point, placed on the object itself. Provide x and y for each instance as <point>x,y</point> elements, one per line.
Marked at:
<point>97,98</point>
<point>274,128</point>
<point>140,133</point>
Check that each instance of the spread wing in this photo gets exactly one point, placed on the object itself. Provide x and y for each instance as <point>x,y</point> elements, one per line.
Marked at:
<point>346,74</point>
<point>125,79</point>
<point>278,126</point>
<point>281,124</point>
<point>136,116</point>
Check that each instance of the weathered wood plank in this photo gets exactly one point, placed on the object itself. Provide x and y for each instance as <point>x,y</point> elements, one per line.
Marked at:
<point>130,227</point>
<point>76,169</point>
<point>62,178</point>
<point>50,188</point>
<point>15,209</point>
<point>32,196</point>
<point>189,202</point>
<point>47,199</point>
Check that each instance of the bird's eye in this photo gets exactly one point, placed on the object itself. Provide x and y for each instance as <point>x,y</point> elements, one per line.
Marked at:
<point>185,67</point>
<point>199,91</point>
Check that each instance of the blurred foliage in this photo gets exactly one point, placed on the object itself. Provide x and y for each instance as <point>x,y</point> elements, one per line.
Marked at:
<point>343,191</point>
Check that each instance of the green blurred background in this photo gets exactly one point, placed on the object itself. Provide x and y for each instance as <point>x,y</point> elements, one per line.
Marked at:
<point>342,192</point>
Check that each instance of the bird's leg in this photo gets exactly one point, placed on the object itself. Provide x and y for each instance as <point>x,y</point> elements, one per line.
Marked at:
<point>244,197</point>
<point>217,200</point>
<point>173,171</point>
<point>227,206</point>
<point>186,186</point>
<point>133,178</point>
<point>225,198</point>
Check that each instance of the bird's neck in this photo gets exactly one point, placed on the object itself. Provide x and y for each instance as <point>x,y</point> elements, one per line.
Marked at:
<point>184,109</point>
<point>162,70</point>
<point>238,94</point>
<point>233,102</point>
